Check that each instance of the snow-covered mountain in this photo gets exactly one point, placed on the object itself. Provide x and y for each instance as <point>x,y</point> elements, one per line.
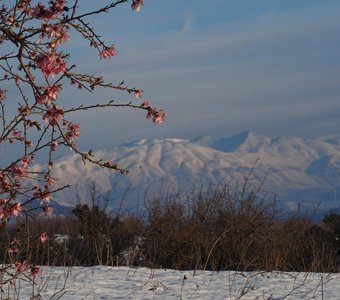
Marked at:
<point>301,172</point>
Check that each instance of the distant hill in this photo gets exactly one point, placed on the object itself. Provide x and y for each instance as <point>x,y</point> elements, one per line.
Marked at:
<point>303,173</point>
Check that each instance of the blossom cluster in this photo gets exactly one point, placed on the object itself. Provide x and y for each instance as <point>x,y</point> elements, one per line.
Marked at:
<point>43,194</point>
<point>40,11</point>
<point>108,52</point>
<point>51,64</point>
<point>24,266</point>
<point>72,132</point>
<point>8,209</point>
<point>157,116</point>
<point>58,33</point>
<point>53,115</point>
<point>50,94</point>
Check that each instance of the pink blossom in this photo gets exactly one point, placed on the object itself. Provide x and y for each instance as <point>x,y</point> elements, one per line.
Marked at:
<point>35,270</point>
<point>25,161</point>
<point>8,209</point>
<point>43,195</point>
<point>16,134</point>
<point>54,145</point>
<point>51,64</point>
<point>138,94</point>
<point>108,52</point>
<point>110,164</point>
<point>22,4</point>
<point>137,5</point>
<point>44,237</point>
<point>58,32</point>
<point>157,117</point>
<point>2,95</point>
<point>93,44</point>
<point>58,5</point>
<point>16,209</point>
<point>55,9</point>
<point>19,170</point>
<point>52,91</point>
<point>146,104</point>
<point>29,144</point>
<point>39,11</point>
<point>24,110</point>
<point>47,210</point>
<point>21,267</point>
<point>50,94</point>
<point>17,80</point>
<point>49,180</point>
<point>43,99</point>
<point>10,20</point>
<point>5,184</point>
<point>53,115</point>
<point>73,131</point>
<point>31,123</point>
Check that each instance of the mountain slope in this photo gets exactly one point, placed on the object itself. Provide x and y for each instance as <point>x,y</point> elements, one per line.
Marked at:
<point>304,171</point>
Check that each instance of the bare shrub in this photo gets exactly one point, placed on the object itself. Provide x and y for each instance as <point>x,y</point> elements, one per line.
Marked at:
<point>222,228</point>
<point>214,229</point>
<point>230,228</point>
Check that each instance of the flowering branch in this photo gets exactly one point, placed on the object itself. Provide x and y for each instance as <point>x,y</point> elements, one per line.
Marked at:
<point>34,67</point>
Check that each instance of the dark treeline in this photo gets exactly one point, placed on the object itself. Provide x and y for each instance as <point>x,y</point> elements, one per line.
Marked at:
<point>216,230</point>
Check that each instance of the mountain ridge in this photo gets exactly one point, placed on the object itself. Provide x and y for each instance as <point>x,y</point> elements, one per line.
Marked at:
<point>297,167</point>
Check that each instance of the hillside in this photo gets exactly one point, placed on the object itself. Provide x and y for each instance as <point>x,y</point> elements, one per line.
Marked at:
<point>301,172</point>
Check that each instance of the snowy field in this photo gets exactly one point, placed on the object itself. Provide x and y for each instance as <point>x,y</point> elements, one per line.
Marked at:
<point>143,283</point>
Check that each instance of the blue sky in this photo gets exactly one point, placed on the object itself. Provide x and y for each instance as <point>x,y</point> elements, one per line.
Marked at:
<point>217,67</point>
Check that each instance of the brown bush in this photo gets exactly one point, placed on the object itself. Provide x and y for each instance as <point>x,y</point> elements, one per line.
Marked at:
<point>222,228</point>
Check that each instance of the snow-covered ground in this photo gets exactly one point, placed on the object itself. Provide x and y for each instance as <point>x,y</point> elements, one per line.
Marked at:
<point>142,283</point>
